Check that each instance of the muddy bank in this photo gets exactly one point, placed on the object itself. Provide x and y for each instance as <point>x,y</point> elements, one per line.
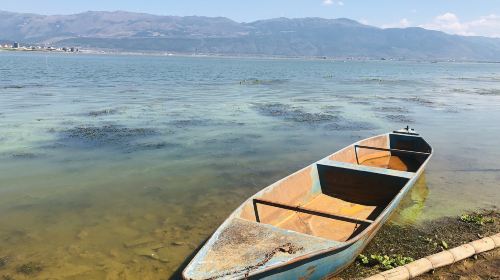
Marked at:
<point>416,242</point>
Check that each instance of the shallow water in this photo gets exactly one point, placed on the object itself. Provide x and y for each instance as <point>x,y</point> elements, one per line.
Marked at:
<point>116,167</point>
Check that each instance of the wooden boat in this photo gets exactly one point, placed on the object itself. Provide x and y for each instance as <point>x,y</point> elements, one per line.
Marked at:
<point>313,223</point>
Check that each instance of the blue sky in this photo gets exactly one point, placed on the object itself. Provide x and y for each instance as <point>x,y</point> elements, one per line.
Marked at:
<point>466,17</point>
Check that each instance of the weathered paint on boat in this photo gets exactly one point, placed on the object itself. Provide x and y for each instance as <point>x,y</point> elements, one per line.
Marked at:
<point>319,257</point>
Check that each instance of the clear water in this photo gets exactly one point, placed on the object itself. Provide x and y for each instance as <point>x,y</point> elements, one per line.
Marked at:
<point>106,160</point>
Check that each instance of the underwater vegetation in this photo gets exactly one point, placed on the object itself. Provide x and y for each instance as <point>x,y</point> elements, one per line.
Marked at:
<point>263,82</point>
<point>293,113</point>
<point>115,135</point>
<point>102,112</point>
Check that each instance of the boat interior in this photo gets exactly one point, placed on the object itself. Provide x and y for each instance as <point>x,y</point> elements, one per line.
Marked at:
<point>339,196</point>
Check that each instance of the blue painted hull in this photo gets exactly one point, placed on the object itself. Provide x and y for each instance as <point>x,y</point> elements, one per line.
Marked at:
<point>320,257</point>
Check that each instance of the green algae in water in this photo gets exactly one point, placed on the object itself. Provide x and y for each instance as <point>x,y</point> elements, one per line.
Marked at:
<point>411,207</point>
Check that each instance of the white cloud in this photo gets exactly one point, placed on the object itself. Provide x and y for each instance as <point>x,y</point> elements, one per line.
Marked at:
<point>403,23</point>
<point>364,21</point>
<point>447,17</point>
<point>483,26</point>
<point>332,2</point>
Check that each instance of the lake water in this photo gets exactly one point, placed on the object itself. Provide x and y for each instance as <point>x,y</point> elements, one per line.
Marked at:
<point>105,160</point>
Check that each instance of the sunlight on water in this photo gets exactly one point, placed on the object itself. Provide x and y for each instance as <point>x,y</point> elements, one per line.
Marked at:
<point>119,167</point>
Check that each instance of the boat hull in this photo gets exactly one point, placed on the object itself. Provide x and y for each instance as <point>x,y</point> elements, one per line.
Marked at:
<point>322,255</point>
<point>331,263</point>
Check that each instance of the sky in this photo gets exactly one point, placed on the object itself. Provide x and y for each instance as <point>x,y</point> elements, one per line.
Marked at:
<point>463,17</point>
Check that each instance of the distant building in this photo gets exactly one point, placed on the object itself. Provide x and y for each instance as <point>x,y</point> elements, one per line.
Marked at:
<point>16,45</point>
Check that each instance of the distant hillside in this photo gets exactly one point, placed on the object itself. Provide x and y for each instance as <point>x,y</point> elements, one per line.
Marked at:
<point>127,31</point>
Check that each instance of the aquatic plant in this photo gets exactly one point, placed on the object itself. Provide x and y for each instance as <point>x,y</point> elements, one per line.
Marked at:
<point>384,262</point>
<point>400,118</point>
<point>477,219</point>
<point>262,82</point>
<point>293,113</point>
<point>392,109</point>
<point>3,261</point>
<point>102,112</point>
<point>104,135</point>
<point>29,268</point>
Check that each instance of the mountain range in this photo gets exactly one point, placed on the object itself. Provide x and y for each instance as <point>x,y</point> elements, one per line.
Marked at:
<point>127,31</point>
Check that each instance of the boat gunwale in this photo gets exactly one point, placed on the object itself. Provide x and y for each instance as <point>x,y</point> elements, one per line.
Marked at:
<point>344,244</point>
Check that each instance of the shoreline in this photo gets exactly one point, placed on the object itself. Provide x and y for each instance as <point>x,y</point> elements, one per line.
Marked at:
<point>245,56</point>
<point>419,241</point>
